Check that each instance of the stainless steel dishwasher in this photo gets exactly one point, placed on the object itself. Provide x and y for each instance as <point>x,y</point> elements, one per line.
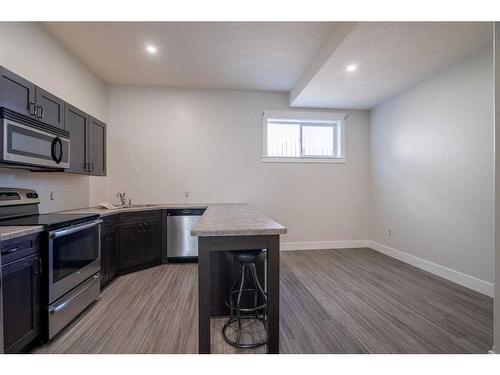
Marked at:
<point>181,246</point>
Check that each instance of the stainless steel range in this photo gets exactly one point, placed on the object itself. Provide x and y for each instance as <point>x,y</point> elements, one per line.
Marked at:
<point>70,252</point>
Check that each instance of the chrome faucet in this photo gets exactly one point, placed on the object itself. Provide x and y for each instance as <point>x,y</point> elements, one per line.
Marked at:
<point>122,198</point>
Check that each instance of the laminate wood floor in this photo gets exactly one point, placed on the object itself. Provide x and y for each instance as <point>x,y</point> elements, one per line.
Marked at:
<point>342,301</point>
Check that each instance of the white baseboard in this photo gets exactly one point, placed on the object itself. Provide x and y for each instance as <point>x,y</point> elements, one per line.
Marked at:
<point>323,245</point>
<point>471,282</point>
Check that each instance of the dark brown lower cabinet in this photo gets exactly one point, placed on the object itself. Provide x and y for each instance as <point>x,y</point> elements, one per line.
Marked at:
<point>140,239</point>
<point>152,241</point>
<point>114,253</point>
<point>130,244</point>
<point>109,254</point>
<point>21,303</point>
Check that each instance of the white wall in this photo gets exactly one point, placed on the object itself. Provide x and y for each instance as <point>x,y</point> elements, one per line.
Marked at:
<point>496,318</point>
<point>432,167</point>
<point>30,51</point>
<point>162,142</point>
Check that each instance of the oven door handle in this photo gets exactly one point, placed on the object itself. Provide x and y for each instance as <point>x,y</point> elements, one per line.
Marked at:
<point>66,232</point>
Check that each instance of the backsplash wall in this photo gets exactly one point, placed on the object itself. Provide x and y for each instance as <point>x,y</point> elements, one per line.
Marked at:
<point>70,191</point>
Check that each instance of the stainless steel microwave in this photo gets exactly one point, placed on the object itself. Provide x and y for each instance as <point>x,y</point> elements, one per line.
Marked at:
<point>29,143</point>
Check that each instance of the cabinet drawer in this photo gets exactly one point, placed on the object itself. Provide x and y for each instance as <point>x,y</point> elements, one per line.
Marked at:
<point>68,307</point>
<point>20,247</point>
<point>128,217</point>
<point>110,221</point>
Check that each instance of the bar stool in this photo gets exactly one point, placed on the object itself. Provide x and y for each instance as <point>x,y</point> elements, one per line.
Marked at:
<point>239,301</point>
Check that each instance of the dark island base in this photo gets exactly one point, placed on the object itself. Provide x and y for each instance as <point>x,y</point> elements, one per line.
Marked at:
<point>215,275</point>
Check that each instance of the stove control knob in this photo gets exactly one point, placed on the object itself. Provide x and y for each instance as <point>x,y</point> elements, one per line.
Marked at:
<point>29,195</point>
<point>34,195</point>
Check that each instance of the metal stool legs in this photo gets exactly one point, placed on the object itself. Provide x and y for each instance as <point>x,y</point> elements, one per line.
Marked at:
<point>239,312</point>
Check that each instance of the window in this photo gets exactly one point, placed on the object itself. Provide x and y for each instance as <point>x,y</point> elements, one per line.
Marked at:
<point>303,137</point>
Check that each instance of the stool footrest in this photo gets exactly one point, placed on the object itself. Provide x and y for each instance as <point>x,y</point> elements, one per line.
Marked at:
<point>231,301</point>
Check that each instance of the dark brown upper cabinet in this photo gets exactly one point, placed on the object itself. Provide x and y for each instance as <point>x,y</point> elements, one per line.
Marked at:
<point>97,147</point>
<point>49,108</point>
<point>88,142</point>
<point>77,123</point>
<point>87,134</point>
<point>17,93</point>
<point>22,96</point>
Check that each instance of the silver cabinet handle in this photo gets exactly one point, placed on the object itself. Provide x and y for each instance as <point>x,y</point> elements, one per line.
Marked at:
<point>32,109</point>
<point>8,251</point>
<point>68,231</point>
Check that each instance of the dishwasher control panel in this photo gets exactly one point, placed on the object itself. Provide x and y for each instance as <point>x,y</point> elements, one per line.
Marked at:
<point>185,211</point>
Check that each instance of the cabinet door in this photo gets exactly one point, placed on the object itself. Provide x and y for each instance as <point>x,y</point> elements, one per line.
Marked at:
<point>21,303</point>
<point>130,245</point>
<point>49,108</point>
<point>77,123</point>
<point>16,93</point>
<point>97,147</point>
<point>114,255</point>
<point>152,241</point>
<point>104,257</point>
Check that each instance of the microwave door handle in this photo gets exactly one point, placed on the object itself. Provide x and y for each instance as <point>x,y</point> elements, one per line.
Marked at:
<point>55,157</point>
<point>59,158</point>
<point>53,148</point>
<point>66,232</point>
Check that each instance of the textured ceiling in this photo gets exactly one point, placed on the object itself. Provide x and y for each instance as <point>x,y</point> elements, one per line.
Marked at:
<point>216,55</point>
<point>391,56</point>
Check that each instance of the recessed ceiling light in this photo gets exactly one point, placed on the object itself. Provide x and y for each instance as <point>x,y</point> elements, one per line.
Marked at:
<point>351,68</point>
<point>151,49</point>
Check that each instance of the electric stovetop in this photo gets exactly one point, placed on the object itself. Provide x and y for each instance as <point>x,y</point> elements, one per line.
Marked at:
<point>50,221</point>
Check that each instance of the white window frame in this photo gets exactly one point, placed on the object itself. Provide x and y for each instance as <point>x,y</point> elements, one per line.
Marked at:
<point>307,118</point>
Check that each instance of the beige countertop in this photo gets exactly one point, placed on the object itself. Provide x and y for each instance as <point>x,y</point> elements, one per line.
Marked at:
<point>220,219</point>
<point>224,219</point>
<point>103,212</point>
<point>7,233</point>
<point>235,220</point>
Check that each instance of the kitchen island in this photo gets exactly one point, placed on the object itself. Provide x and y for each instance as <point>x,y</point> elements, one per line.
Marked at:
<point>234,227</point>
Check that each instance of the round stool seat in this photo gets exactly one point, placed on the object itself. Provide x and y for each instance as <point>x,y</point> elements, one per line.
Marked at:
<point>246,256</point>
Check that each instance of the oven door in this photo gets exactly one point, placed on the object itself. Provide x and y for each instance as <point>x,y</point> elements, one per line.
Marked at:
<point>74,256</point>
<point>27,145</point>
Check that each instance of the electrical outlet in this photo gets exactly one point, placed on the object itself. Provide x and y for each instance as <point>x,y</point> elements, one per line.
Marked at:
<point>188,193</point>
<point>389,232</point>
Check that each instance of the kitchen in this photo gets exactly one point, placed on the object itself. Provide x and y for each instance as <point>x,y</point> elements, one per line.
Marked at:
<point>82,251</point>
<point>219,200</point>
